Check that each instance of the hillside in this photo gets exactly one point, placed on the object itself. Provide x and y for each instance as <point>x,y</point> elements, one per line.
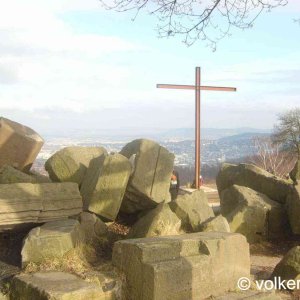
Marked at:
<point>210,133</point>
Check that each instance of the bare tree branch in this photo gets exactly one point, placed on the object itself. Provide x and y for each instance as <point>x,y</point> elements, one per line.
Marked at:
<point>287,131</point>
<point>206,20</point>
<point>272,157</point>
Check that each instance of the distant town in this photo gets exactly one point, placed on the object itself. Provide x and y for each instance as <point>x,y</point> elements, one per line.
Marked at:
<point>214,150</point>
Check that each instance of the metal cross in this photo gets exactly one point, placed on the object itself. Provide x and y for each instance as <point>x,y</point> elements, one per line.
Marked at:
<point>197,88</point>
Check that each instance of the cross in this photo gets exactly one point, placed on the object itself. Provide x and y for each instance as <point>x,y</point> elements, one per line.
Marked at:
<point>197,88</point>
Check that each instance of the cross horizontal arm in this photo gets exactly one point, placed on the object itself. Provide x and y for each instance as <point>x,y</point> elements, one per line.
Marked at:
<point>193,87</point>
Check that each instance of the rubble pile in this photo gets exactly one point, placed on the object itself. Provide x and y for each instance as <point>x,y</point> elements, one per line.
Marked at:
<point>175,249</point>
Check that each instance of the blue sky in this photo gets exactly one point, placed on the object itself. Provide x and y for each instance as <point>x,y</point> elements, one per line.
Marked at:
<point>73,65</point>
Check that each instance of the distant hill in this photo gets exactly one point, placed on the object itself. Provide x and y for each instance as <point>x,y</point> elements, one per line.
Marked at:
<point>127,134</point>
<point>212,133</point>
<point>247,136</point>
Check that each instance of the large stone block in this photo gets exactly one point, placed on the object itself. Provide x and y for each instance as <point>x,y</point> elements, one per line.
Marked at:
<point>71,163</point>
<point>40,178</point>
<point>150,181</point>
<point>255,178</point>
<point>192,209</point>
<point>253,214</point>
<point>7,272</point>
<point>92,227</point>
<point>295,173</point>
<point>189,266</point>
<point>56,286</point>
<point>158,221</point>
<point>293,208</point>
<point>289,267</point>
<point>19,145</point>
<point>218,223</point>
<point>51,240</point>
<point>9,174</point>
<point>24,203</point>
<point>104,185</point>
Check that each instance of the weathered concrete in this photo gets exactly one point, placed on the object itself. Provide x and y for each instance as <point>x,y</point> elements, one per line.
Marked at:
<point>255,178</point>
<point>104,185</point>
<point>293,208</point>
<point>71,163</point>
<point>9,174</point>
<point>56,286</point>
<point>253,214</point>
<point>192,209</point>
<point>189,266</point>
<point>23,203</point>
<point>150,181</point>
<point>295,173</point>
<point>218,223</point>
<point>158,221</point>
<point>19,145</point>
<point>51,240</point>
<point>92,227</point>
<point>289,266</point>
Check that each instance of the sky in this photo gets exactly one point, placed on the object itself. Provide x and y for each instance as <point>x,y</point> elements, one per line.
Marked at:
<point>72,65</point>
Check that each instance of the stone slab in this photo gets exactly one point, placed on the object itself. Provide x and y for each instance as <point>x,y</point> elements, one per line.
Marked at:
<point>218,223</point>
<point>289,267</point>
<point>70,163</point>
<point>23,203</point>
<point>255,178</point>
<point>189,266</point>
<point>295,172</point>
<point>150,181</point>
<point>253,214</point>
<point>192,209</point>
<point>51,240</point>
<point>56,286</point>
<point>158,221</point>
<point>9,174</point>
<point>92,226</point>
<point>104,185</point>
<point>293,208</point>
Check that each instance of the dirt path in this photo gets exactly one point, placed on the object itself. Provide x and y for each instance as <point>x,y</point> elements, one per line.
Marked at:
<point>265,256</point>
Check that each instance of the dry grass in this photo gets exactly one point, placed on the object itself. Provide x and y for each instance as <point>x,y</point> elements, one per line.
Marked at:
<point>88,263</point>
<point>77,261</point>
<point>85,260</point>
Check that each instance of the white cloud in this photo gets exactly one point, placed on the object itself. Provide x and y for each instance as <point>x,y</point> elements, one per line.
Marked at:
<point>292,6</point>
<point>51,64</point>
<point>47,67</point>
<point>74,5</point>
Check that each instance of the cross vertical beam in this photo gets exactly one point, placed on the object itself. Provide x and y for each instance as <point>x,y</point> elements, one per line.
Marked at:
<point>197,87</point>
<point>197,127</point>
